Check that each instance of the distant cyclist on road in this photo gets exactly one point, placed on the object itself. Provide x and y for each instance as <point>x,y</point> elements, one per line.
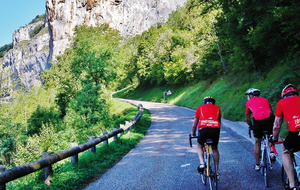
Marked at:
<point>208,122</point>
<point>289,108</point>
<point>263,119</point>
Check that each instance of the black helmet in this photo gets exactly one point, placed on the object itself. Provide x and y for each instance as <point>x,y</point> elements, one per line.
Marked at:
<point>253,91</point>
<point>209,99</point>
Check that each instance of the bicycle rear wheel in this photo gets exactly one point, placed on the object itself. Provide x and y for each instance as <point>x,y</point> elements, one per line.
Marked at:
<point>266,169</point>
<point>213,181</point>
<point>204,174</point>
<point>203,177</point>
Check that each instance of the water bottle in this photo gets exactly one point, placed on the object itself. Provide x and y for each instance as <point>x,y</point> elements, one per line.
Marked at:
<point>297,168</point>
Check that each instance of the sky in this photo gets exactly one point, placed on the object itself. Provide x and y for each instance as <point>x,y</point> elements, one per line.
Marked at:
<point>17,13</point>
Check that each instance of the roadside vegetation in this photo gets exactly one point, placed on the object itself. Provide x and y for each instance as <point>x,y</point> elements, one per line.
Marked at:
<point>218,48</point>
<point>90,165</point>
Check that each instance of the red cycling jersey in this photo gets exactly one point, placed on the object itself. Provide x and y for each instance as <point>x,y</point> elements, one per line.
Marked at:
<point>259,107</point>
<point>289,108</point>
<point>209,116</point>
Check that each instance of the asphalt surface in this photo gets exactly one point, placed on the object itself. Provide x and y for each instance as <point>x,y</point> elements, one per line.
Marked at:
<point>164,160</point>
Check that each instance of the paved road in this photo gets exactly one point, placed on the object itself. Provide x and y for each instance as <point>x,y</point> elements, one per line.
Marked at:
<point>164,160</point>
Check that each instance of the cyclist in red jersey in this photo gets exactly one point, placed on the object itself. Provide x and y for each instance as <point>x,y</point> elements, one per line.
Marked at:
<point>289,108</point>
<point>263,119</point>
<point>208,122</point>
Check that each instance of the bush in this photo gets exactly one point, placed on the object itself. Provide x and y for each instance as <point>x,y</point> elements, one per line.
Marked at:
<point>42,116</point>
<point>36,30</point>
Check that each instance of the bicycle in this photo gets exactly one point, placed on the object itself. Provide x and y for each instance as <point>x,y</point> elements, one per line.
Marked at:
<point>284,178</point>
<point>265,160</point>
<point>210,166</point>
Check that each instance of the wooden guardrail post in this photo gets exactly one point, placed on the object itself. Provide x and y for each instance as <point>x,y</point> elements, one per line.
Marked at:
<point>2,169</point>
<point>93,149</point>
<point>48,172</point>
<point>106,141</point>
<point>122,126</point>
<point>126,124</point>
<point>74,159</point>
<point>131,126</point>
<point>116,136</point>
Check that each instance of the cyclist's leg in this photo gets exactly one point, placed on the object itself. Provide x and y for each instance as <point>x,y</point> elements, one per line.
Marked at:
<point>269,127</point>
<point>291,144</point>
<point>216,157</point>
<point>258,133</point>
<point>201,140</point>
<point>288,166</point>
<point>215,137</point>
<point>257,150</point>
<point>200,153</point>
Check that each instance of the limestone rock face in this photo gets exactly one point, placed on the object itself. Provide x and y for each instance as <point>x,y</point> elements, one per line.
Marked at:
<point>130,17</point>
<point>29,56</point>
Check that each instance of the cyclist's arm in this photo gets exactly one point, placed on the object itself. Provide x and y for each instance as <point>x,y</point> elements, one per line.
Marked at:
<point>195,126</point>
<point>248,120</point>
<point>276,127</point>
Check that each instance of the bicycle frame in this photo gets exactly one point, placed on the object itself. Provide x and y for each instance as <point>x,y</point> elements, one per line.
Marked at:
<point>207,150</point>
<point>265,164</point>
<point>210,169</point>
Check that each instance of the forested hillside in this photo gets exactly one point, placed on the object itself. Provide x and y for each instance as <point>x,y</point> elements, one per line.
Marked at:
<point>219,48</point>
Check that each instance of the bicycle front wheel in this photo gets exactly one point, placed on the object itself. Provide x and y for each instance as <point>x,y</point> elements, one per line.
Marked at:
<point>213,181</point>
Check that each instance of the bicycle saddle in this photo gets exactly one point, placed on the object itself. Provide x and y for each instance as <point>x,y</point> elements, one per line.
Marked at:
<point>209,141</point>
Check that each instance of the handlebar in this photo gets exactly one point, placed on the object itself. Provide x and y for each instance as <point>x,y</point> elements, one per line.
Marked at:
<point>273,147</point>
<point>190,138</point>
<point>250,132</point>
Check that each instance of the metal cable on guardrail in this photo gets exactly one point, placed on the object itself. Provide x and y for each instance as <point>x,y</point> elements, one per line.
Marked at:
<point>20,171</point>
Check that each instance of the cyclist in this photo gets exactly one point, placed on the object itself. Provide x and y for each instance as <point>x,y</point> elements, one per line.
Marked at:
<point>288,107</point>
<point>208,121</point>
<point>263,119</point>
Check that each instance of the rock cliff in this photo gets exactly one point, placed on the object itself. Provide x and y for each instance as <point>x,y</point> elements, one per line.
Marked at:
<point>130,17</point>
<point>31,55</point>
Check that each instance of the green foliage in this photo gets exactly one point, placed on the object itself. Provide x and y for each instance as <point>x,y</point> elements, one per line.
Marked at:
<point>36,30</point>
<point>178,51</point>
<point>35,146</point>
<point>7,143</point>
<point>89,166</point>
<point>89,108</point>
<point>42,116</point>
<point>90,62</point>
<point>5,49</point>
<point>258,34</point>
<point>38,18</point>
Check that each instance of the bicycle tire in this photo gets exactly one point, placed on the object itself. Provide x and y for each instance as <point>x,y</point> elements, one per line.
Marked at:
<point>213,182</point>
<point>203,177</point>
<point>266,169</point>
<point>204,174</point>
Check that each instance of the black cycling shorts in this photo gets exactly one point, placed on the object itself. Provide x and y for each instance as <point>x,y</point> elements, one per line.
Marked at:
<point>292,141</point>
<point>263,125</point>
<point>209,133</point>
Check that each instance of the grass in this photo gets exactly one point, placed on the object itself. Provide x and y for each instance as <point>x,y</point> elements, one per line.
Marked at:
<point>90,166</point>
<point>229,92</point>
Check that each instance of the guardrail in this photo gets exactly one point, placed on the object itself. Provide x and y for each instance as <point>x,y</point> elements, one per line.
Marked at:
<point>47,160</point>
